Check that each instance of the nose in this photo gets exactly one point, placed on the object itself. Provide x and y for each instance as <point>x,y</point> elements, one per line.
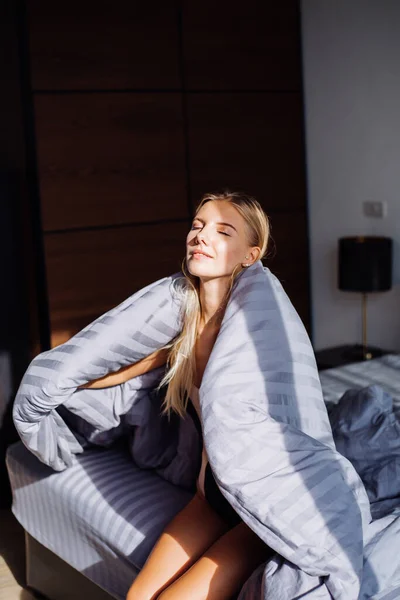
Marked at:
<point>201,236</point>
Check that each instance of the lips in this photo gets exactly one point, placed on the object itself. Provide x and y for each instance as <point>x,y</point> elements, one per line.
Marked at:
<point>201,253</point>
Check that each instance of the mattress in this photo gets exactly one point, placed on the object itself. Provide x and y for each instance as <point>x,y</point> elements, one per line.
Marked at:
<point>102,515</point>
<point>383,371</point>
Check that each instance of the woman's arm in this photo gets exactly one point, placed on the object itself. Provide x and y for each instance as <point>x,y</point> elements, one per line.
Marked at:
<point>158,358</point>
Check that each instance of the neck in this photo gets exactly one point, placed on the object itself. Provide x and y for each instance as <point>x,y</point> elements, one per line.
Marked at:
<point>212,294</point>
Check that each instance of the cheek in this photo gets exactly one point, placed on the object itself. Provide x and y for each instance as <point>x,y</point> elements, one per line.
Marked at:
<point>234,247</point>
<point>231,253</point>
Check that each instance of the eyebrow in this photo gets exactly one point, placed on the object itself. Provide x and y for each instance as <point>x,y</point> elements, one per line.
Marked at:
<point>219,223</point>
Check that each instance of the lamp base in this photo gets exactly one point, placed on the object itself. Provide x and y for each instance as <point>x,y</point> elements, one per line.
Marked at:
<point>359,353</point>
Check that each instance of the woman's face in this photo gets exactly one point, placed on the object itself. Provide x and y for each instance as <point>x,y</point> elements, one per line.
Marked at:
<point>217,241</point>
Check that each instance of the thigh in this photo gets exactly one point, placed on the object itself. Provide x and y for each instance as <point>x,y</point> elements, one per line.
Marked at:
<point>220,573</point>
<point>194,529</point>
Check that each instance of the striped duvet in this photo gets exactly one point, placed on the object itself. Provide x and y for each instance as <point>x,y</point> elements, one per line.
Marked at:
<point>267,436</point>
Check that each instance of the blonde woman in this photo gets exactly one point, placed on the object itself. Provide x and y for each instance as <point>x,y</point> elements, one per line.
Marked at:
<point>206,552</point>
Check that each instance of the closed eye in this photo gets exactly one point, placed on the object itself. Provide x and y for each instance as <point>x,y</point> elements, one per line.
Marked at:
<point>221,232</point>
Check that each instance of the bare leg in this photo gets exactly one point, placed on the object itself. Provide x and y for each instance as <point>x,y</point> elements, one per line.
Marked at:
<point>190,533</point>
<point>220,573</point>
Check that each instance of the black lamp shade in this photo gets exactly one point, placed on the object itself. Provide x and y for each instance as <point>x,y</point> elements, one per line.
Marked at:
<point>365,264</point>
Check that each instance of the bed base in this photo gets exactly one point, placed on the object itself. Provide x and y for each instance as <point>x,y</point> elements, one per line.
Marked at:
<point>51,578</point>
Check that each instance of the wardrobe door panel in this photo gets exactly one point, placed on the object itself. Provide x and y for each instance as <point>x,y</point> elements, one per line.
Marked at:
<point>89,272</point>
<point>92,45</point>
<point>248,45</point>
<point>288,258</point>
<point>251,142</point>
<point>107,159</point>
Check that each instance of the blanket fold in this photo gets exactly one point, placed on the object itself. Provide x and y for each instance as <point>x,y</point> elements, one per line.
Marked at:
<point>266,428</point>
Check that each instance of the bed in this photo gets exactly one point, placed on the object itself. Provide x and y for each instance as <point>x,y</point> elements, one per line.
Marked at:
<point>383,371</point>
<point>86,549</point>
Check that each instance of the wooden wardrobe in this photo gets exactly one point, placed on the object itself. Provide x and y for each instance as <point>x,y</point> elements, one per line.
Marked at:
<point>133,111</point>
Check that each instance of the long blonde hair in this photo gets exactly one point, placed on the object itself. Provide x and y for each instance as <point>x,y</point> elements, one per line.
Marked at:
<point>181,365</point>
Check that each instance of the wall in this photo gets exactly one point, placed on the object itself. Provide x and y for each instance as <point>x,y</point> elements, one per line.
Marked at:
<point>351,75</point>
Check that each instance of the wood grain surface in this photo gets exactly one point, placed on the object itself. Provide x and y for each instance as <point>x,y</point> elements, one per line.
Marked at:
<point>251,142</point>
<point>248,45</point>
<point>109,159</point>
<point>114,44</point>
<point>89,272</point>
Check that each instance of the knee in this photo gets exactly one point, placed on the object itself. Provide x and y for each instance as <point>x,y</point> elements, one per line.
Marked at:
<point>134,593</point>
<point>137,592</point>
<point>131,595</point>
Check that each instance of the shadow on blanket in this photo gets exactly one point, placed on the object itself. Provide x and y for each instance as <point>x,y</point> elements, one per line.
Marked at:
<point>293,365</point>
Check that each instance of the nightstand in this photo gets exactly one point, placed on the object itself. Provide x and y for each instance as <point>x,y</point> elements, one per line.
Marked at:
<point>344,355</point>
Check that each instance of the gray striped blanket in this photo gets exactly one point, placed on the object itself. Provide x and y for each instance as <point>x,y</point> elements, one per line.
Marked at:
<point>266,427</point>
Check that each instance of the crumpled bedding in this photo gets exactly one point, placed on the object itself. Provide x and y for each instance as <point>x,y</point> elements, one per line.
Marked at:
<point>366,430</point>
<point>266,428</point>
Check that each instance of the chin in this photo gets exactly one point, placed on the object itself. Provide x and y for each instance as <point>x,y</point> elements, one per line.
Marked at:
<point>200,270</point>
<point>197,270</point>
<point>205,271</point>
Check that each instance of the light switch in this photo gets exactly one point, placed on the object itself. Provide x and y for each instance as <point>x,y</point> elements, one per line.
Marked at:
<point>375,208</point>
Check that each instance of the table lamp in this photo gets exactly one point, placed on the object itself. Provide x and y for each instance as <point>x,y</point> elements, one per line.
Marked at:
<point>365,266</point>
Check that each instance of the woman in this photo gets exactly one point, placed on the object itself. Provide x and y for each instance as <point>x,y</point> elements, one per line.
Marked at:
<point>206,551</point>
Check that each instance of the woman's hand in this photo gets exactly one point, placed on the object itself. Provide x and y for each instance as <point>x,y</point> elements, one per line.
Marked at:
<point>158,358</point>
